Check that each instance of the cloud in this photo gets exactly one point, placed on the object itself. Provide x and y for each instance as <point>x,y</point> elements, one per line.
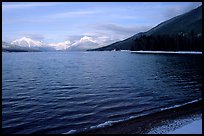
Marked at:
<point>7,6</point>
<point>71,14</point>
<point>176,10</point>
<point>61,45</point>
<point>193,5</point>
<point>84,43</point>
<point>105,40</point>
<point>38,37</point>
<point>50,18</point>
<point>124,29</point>
<point>73,38</point>
<point>101,38</point>
<point>81,43</point>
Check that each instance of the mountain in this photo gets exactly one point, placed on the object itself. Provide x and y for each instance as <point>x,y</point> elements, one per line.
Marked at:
<point>7,47</point>
<point>28,44</point>
<point>25,44</point>
<point>83,44</point>
<point>185,23</point>
<point>60,46</point>
<point>184,27</point>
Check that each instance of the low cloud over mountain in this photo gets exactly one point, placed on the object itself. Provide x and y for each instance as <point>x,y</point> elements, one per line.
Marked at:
<point>28,44</point>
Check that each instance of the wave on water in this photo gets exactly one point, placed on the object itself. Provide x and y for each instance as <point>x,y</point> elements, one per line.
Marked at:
<point>110,123</point>
<point>70,132</point>
<point>179,105</point>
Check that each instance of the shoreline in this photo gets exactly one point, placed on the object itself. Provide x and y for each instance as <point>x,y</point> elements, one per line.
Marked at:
<point>169,52</point>
<point>145,124</point>
<point>194,127</point>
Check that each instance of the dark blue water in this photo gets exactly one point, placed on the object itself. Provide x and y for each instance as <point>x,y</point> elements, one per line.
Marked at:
<point>59,92</point>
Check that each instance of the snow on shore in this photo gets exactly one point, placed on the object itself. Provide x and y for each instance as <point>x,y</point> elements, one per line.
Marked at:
<point>193,128</point>
<point>174,52</point>
<point>189,125</point>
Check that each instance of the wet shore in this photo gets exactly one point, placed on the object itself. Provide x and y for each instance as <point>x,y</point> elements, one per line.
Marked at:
<point>143,124</point>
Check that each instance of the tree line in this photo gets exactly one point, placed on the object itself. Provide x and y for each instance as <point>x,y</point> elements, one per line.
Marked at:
<point>179,42</point>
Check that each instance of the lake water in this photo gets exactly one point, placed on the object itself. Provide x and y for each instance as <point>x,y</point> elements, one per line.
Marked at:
<point>67,92</point>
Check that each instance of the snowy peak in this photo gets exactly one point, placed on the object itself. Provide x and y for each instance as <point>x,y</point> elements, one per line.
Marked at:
<point>27,42</point>
<point>83,43</point>
<point>86,39</point>
<point>61,45</point>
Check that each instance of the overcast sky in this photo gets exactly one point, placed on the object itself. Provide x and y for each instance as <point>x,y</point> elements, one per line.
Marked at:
<point>111,21</point>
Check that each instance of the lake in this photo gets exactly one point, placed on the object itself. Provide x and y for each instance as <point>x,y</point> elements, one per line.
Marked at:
<point>68,92</point>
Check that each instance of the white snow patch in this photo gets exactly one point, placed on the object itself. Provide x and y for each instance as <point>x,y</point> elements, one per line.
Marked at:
<point>61,45</point>
<point>172,52</point>
<point>194,127</point>
<point>179,105</point>
<point>189,125</point>
<point>27,42</point>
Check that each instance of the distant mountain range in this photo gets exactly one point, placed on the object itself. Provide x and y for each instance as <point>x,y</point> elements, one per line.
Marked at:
<point>26,44</point>
<point>7,47</point>
<point>182,29</point>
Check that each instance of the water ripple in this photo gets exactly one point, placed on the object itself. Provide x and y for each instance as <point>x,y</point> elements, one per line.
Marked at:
<point>73,91</point>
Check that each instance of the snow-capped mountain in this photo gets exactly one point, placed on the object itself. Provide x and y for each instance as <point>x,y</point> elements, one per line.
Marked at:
<point>27,42</point>
<point>61,45</point>
<point>16,48</point>
<point>84,43</point>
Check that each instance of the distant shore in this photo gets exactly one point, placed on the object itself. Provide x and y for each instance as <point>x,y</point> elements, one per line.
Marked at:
<point>169,52</point>
<point>146,123</point>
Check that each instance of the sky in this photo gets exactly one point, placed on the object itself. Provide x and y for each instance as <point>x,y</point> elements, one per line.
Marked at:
<point>107,22</point>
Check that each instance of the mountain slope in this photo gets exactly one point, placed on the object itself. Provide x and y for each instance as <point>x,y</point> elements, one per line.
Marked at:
<point>190,21</point>
<point>185,24</point>
<point>27,42</point>
<point>7,47</point>
<point>83,44</point>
